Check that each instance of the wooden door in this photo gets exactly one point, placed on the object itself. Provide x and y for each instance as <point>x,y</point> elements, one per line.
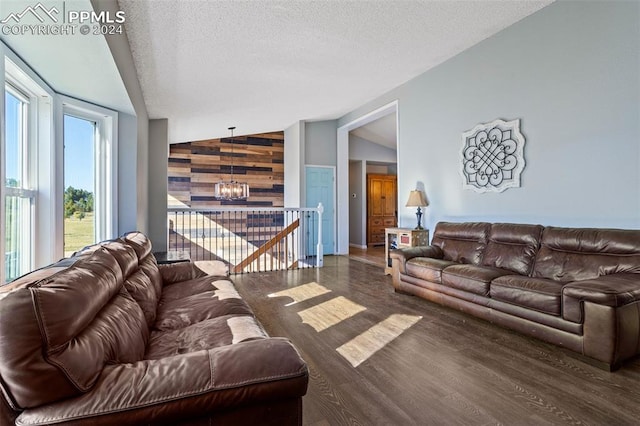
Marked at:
<point>381,206</point>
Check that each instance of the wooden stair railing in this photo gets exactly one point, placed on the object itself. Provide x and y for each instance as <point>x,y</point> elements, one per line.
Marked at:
<point>266,246</point>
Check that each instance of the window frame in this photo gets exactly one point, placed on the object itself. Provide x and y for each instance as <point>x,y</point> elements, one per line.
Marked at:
<point>24,191</point>
<point>34,136</point>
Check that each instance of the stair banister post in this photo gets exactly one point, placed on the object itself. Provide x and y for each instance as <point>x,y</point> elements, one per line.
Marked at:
<point>319,249</point>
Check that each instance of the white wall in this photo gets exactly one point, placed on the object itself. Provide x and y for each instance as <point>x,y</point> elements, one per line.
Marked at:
<point>570,72</point>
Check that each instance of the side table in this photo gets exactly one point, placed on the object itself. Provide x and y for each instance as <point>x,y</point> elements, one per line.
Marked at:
<point>172,256</point>
<point>401,238</point>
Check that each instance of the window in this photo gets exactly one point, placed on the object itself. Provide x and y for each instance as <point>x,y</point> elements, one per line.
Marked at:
<point>34,169</point>
<point>19,193</point>
<point>27,159</point>
<point>90,209</point>
<point>79,183</point>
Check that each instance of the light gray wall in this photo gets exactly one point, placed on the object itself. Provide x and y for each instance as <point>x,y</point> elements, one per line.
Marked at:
<point>144,185</point>
<point>357,204</point>
<point>570,72</point>
<point>119,46</point>
<point>158,156</point>
<point>362,149</point>
<point>294,164</point>
<point>127,166</point>
<point>381,169</point>
<point>320,143</point>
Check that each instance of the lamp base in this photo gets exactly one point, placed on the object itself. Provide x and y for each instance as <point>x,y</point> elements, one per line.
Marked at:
<point>419,216</point>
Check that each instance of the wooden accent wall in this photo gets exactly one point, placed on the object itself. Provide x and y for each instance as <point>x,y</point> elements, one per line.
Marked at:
<point>195,167</point>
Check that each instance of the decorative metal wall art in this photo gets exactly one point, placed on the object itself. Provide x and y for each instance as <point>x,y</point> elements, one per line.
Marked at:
<point>493,156</point>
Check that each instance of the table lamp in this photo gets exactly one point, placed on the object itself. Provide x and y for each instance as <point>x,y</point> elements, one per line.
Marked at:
<point>417,199</point>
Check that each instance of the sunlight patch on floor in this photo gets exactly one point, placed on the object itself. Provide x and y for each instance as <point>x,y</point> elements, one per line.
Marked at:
<point>330,313</point>
<point>302,292</point>
<point>363,346</point>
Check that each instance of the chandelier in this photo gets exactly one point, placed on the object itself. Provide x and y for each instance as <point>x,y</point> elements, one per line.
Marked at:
<point>231,190</point>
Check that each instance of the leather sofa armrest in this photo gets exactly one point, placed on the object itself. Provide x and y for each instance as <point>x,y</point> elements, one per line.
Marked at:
<point>177,388</point>
<point>406,254</point>
<point>613,290</point>
<point>177,272</point>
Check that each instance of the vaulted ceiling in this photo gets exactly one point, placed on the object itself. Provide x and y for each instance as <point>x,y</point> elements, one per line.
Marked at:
<point>262,66</point>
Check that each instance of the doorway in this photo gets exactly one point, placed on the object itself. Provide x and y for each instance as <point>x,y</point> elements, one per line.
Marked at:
<point>342,171</point>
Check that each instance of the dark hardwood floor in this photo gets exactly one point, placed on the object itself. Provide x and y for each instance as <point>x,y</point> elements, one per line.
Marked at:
<point>447,368</point>
<point>373,255</point>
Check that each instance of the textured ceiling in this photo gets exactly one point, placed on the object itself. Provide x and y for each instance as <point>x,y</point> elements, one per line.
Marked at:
<point>262,66</point>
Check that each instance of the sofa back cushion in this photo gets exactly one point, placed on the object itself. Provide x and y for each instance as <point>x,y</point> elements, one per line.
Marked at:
<point>576,254</point>
<point>59,330</point>
<point>513,247</point>
<point>462,242</point>
<point>140,243</point>
<point>137,280</point>
<point>144,293</point>
<point>123,253</point>
<point>146,261</point>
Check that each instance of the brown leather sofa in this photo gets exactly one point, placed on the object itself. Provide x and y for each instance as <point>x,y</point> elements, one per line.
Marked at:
<point>110,337</point>
<point>576,288</point>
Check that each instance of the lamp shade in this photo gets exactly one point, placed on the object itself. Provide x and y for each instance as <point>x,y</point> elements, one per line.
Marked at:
<point>417,199</point>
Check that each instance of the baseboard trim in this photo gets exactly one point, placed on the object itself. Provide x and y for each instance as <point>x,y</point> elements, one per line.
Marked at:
<point>358,246</point>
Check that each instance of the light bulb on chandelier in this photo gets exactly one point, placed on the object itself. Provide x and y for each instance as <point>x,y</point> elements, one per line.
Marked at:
<point>231,190</point>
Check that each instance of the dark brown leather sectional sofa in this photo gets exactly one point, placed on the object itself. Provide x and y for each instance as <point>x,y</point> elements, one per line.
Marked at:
<point>110,337</point>
<point>576,288</point>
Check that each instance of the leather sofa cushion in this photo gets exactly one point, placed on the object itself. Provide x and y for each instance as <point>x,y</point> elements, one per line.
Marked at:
<point>144,284</point>
<point>609,290</point>
<point>123,253</point>
<point>180,313</point>
<point>539,294</point>
<point>140,243</point>
<point>461,242</point>
<point>149,266</point>
<point>574,254</point>
<point>48,353</point>
<point>427,268</point>
<point>188,288</point>
<point>144,293</point>
<point>184,389</point>
<point>406,254</point>
<point>513,247</point>
<point>207,334</point>
<point>471,278</point>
